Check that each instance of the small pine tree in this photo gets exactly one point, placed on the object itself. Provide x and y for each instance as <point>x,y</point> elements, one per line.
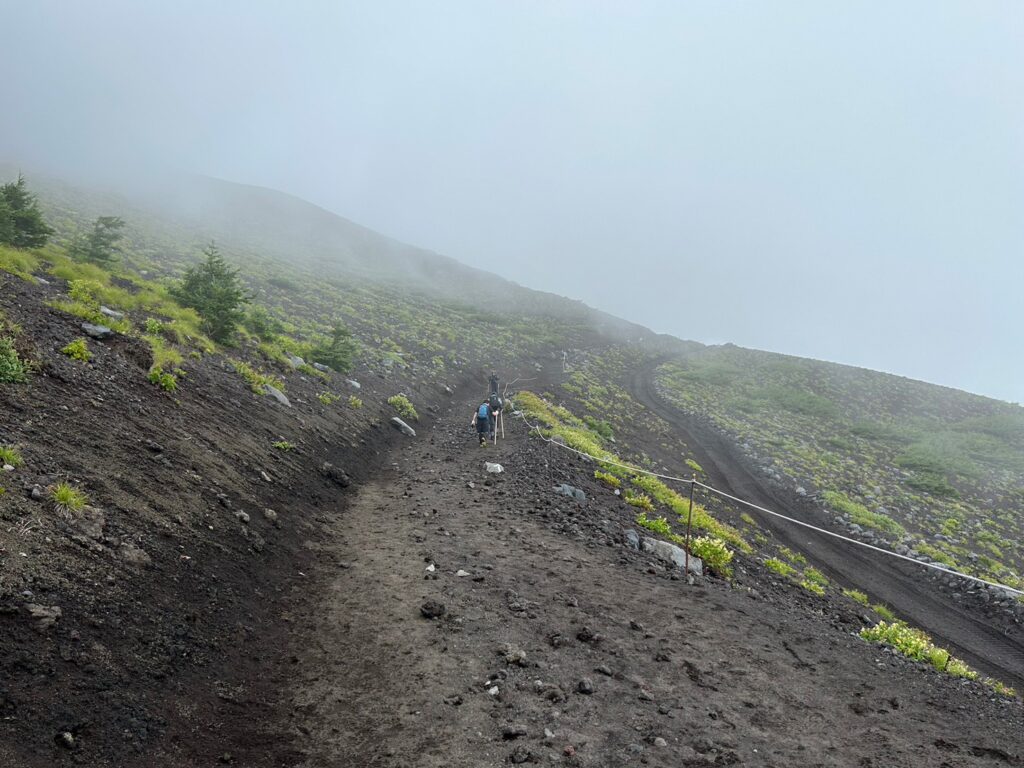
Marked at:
<point>6,223</point>
<point>212,289</point>
<point>338,351</point>
<point>26,227</point>
<point>100,245</point>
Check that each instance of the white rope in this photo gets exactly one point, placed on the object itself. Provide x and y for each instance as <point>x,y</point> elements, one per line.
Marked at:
<point>750,504</point>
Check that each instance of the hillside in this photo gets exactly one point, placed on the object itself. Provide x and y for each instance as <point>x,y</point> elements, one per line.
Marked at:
<point>194,570</point>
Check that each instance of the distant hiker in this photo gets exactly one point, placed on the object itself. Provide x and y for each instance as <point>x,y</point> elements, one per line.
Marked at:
<point>483,421</point>
<point>494,384</point>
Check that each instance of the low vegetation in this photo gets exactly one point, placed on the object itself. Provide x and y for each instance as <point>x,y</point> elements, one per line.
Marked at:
<point>10,455</point>
<point>68,499</point>
<point>12,368</point>
<point>256,379</point>
<point>404,407</point>
<point>78,350</point>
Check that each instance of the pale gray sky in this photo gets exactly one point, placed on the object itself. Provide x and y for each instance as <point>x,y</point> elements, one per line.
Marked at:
<point>830,179</point>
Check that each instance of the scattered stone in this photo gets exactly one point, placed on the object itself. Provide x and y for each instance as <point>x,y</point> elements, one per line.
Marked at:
<point>587,635</point>
<point>295,361</point>
<point>89,522</point>
<point>36,494</point>
<point>632,539</point>
<point>335,474</point>
<point>65,739</point>
<point>461,573</point>
<point>521,754</point>
<point>402,427</point>
<point>271,516</point>
<point>636,626</point>
<point>431,568</point>
<point>277,394</point>
<point>660,742</point>
<point>265,476</point>
<point>46,616</point>
<point>493,690</point>
<point>8,467</point>
<point>111,313</point>
<point>585,686</point>
<point>97,331</point>
<point>571,492</point>
<point>493,468</point>
<point>510,732</point>
<point>432,609</point>
<point>670,553</point>
<point>322,368</point>
<point>134,555</point>
<point>603,669</point>
<point>243,516</point>
<point>354,384</point>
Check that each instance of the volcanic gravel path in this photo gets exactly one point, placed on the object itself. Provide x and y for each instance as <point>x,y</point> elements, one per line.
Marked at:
<point>559,644</point>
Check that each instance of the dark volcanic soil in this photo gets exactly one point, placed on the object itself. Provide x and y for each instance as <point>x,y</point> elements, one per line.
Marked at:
<point>195,628</point>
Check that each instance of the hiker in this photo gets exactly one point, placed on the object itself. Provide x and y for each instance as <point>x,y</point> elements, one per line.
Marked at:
<point>494,383</point>
<point>483,421</point>
<point>496,405</point>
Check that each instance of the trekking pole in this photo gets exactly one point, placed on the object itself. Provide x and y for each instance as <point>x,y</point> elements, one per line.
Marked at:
<point>501,420</point>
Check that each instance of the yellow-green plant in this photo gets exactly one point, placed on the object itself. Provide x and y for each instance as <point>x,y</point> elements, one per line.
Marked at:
<point>327,398</point>
<point>78,350</point>
<point>607,478</point>
<point>67,499</point>
<point>354,402</point>
<point>857,596</point>
<point>10,455</point>
<point>284,445</point>
<point>639,500</point>
<point>166,381</point>
<point>713,551</point>
<point>404,407</point>
<point>780,567</point>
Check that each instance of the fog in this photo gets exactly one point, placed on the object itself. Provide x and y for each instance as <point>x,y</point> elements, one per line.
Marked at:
<point>834,180</point>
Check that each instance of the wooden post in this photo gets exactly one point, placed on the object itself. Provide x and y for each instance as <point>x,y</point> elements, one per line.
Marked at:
<point>689,521</point>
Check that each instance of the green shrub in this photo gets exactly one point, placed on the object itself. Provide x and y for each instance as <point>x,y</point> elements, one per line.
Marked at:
<point>78,350</point>
<point>10,455</point>
<point>168,382</point>
<point>607,478</point>
<point>254,378</point>
<point>212,289</point>
<point>405,408</point>
<point>354,402</point>
<point>747,518</point>
<point>327,398</point>
<point>658,524</point>
<point>639,500</point>
<point>1001,688</point>
<point>794,557</point>
<point>713,552</point>
<point>12,368</point>
<point>337,351</point>
<point>884,611</point>
<point>154,327</point>
<point>284,445</point>
<point>864,517</point>
<point>694,466</point>
<point>915,644</point>
<point>67,499</point>
<point>813,586</point>
<point>780,567</point>
<point>815,576</point>
<point>857,596</point>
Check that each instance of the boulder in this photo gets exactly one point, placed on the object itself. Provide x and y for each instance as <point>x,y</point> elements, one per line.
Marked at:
<point>97,331</point>
<point>402,427</point>
<point>45,616</point>
<point>277,394</point>
<point>322,368</point>
<point>295,361</point>
<point>571,492</point>
<point>632,539</point>
<point>672,554</point>
<point>354,384</point>
<point>112,313</point>
<point>335,474</point>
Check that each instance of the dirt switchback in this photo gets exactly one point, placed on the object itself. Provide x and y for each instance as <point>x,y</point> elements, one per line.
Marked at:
<point>461,618</point>
<point>901,585</point>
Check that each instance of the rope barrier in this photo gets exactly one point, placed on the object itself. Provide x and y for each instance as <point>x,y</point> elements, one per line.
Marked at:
<point>712,489</point>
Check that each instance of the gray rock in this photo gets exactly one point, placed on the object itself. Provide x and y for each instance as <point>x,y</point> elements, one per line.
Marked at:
<point>45,616</point>
<point>65,739</point>
<point>335,474</point>
<point>295,361</point>
<point>97,331</point>
<point>513,731</point>
<point>660,742</point>
<point>670,553</point>
<point>112,313</point>
<point>89,522</point>
<point>571,492</point>
<point>36,494</point>
<point>277,394</point>
<point>134,555</point>
<point>402,427</point>
<point>322,368</point>
<point>632,539</point>
<point>242,516</point>
<point>270,515</point>
<point>354,384</point>
<point>585,686</point>
<point>432,609</point>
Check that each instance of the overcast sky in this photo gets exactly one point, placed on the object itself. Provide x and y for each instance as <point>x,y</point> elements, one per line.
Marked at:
<point>836,180</point>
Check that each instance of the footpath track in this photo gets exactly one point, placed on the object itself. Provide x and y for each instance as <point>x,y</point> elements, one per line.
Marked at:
<point>559,644</point>
<point>896,583</point>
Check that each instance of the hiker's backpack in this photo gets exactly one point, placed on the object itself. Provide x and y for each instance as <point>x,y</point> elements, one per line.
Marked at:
<point>483,412</point>
<point>495,402</point>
